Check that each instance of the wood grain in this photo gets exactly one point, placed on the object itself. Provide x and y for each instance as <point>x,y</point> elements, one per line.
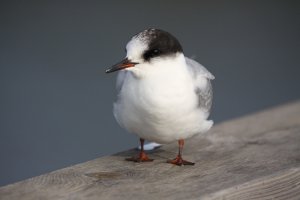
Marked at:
<point>284,185</point>
<point>253,157</point>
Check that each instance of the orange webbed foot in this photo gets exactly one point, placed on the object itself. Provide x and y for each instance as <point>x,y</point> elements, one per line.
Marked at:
<point>179,161</point>
<point>141,158</point>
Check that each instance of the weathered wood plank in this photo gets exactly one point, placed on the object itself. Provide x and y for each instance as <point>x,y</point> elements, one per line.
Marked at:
<point>256,156</point>
<point>283,185</point>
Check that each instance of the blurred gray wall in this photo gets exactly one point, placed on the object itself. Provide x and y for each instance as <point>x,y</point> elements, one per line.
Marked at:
<point>56,100</point>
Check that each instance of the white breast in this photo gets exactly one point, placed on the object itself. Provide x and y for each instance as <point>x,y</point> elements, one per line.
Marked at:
<point>157,102</point>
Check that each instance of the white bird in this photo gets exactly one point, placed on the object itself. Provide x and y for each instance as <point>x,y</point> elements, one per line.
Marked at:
<point>163,96</point>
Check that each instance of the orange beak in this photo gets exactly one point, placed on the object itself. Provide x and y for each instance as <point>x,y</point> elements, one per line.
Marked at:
<point>121,65</point>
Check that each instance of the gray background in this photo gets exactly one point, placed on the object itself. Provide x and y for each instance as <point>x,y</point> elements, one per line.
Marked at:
<point>56,100</point>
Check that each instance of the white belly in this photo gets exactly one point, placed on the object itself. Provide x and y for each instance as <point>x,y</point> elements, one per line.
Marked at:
<point>161,108</point>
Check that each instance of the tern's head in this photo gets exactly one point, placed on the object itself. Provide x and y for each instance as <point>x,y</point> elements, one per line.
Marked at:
<point>146,47</point>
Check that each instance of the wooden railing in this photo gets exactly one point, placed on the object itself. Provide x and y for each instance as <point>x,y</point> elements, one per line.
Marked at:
<point>253,157</point>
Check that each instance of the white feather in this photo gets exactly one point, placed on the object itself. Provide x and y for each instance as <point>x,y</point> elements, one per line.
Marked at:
<point>157,100</point>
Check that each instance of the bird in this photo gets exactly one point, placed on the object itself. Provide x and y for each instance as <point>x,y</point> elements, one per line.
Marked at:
<point>162,95</point>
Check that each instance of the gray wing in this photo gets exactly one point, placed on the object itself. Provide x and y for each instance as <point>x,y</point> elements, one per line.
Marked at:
<point>202,79</point>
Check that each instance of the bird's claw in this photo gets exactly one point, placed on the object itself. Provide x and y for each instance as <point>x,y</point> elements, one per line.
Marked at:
<point>141,158</point>
<point>179,161</point>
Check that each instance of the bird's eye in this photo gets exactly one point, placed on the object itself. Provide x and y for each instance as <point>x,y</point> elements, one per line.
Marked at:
<point>151,54</point>
<point>155,52</point>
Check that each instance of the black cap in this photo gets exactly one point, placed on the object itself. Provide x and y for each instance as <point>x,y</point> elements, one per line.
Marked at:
<point>160,43</point>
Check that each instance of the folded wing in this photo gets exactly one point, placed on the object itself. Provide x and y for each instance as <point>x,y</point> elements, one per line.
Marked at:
<point>202,81</point>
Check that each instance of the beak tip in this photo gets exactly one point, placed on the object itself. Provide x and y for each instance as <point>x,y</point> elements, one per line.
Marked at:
<point>109,70</point>
<point>121,65</point>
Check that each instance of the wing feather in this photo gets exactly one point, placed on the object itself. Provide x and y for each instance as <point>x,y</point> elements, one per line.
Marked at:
<point>202,79</point>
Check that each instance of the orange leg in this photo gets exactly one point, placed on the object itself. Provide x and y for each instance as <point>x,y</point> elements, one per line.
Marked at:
<point>142,156</point>
<point>178,160</point>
